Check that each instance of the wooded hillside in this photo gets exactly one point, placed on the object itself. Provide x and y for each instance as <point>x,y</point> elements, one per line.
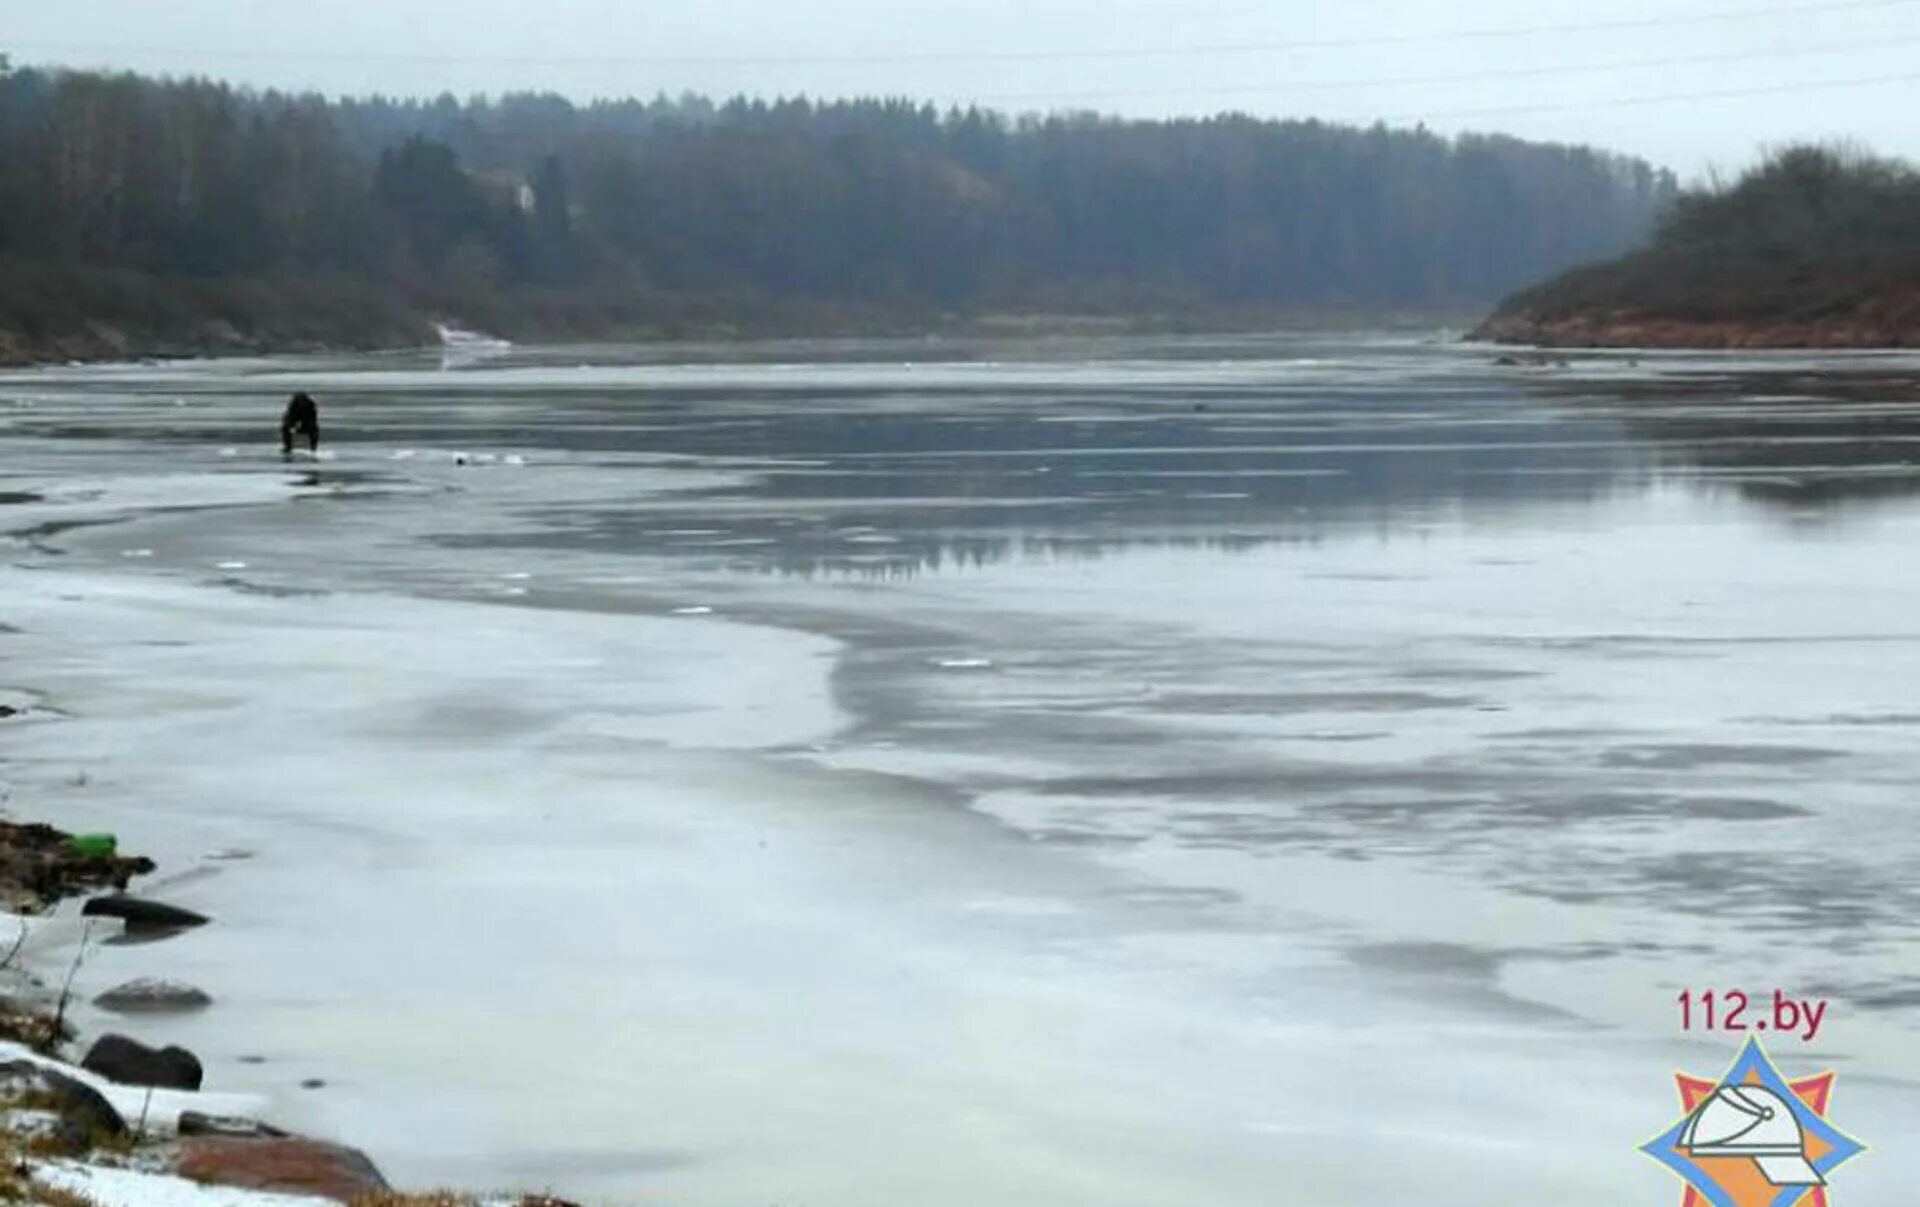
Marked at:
<point>159,210</point>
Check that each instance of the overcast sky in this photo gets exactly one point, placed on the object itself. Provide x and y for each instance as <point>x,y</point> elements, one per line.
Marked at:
<point>1818,69</point>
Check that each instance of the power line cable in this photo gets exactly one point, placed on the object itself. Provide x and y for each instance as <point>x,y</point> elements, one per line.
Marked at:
<point>1662,98</point>
<point>1460,78</point>
<point>1153,52</point>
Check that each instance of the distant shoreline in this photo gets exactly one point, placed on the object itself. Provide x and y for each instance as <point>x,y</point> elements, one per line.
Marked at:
<point>1707,335</point>
<point>104,343</point>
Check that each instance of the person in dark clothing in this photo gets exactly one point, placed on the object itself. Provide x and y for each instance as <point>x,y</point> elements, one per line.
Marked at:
<point>302,418</point>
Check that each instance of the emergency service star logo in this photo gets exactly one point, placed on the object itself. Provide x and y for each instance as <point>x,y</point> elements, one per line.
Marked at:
<point>1753,1138</point>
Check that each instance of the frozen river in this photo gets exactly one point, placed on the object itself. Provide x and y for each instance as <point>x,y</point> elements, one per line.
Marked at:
<point>1302,770</point>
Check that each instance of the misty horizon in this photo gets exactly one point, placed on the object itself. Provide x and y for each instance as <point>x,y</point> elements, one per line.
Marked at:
<point>1695,86</point>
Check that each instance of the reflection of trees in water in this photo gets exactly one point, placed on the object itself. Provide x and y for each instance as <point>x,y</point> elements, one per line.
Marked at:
<point>1793,438</point>
<point>860,485</point>
<point>837,488</point>
<point>922,526</point>
<point>1193,482</point>
<point>881,545</point>
<point>1808,443</point>
<point>974,552</point>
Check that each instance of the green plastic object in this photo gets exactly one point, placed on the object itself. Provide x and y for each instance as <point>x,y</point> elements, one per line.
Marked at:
<point>95,846</point>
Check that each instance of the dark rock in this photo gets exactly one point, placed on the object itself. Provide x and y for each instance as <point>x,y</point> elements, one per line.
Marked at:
<point>313,1083</point>
<point>8,710</point>
<point>150,996</point>
<point>131,1062</point>
<point>143,915</point>
<point>288,1166</point>
<point>39,865</point>
<point>85,1114</point>
<point>193,1123</point>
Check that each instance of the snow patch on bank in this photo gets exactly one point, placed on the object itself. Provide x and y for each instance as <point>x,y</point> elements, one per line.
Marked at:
<point>155,1111</point>
<point>461,347</point>
<point>110,1187</point>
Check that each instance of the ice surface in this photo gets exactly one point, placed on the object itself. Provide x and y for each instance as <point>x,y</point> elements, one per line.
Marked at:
<point>1346,843</point>
<point>94,499</point>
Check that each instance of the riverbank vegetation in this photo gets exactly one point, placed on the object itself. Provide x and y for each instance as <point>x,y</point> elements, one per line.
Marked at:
<point>141,215</point>
<point>1818,246</point>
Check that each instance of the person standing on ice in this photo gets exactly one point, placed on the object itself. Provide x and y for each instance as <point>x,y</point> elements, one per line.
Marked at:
<point>302,417</point>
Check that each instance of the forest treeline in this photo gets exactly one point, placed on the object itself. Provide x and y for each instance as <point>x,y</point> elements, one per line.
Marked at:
<point>140,209</point>
<point>1814,246</point>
